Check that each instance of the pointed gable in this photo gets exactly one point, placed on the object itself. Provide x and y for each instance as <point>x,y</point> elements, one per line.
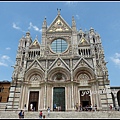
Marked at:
<point>82,63</point>
<point>59,25</point>
<point>35,45</point>
<point>83,41</point>
<point>59,62</point>
<point>36,64</point>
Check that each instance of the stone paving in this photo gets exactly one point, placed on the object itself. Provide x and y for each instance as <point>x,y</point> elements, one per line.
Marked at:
<point>62,115</point>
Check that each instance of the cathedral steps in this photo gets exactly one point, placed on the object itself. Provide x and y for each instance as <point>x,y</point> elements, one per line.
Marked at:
<point>74,114</point>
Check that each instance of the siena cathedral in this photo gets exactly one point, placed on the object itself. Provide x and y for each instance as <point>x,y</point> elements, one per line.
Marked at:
<point>66,68</point>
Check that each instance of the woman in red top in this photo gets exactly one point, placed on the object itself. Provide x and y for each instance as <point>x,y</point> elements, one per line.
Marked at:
<point>40,114</point>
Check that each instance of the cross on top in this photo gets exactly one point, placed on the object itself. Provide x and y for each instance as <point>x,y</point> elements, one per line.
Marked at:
<point>58,11</point>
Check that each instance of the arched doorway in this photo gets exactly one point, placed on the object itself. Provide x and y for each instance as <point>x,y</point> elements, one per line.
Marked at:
<point>59,98</point>
<point>33,101</point>
<point>85,98</point>
<point>113,98</point>
<point>118,98</point>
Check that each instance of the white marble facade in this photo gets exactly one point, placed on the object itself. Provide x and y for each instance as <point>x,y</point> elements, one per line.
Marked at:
<point>66,58</point>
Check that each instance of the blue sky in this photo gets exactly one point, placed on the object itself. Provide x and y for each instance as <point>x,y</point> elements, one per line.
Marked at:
<point>16,18</point>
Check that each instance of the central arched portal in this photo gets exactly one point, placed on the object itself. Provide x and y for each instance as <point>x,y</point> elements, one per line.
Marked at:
<point>59,98</point>
<point>85,98</point>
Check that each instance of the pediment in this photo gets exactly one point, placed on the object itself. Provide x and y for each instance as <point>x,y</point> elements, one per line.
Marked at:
<point>83,41</point>
<point>82,63</point>
<point>35,64</point>
<point>35,45</point>
<point>59,63</point>
<point>59,25</point>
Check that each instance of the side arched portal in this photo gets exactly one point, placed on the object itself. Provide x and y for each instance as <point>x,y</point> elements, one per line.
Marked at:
<point>113,98</point>
<point>118,98</point>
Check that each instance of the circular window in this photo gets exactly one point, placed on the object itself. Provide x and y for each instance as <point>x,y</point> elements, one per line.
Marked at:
<point>59,45</point>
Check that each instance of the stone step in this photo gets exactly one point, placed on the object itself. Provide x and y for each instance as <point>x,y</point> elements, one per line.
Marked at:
<point>2,106</point>
<point>73,114</point>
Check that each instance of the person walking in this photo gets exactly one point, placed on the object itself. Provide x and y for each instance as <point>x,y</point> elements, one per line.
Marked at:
<point>21,114</point>
<point>110,107</point>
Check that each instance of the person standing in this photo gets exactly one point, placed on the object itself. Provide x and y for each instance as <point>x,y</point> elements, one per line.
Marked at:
<point>76,106</point>
<point>90,107</point>
<point>80,107</point>
<point>25,107</point>
<point>31,107</point>
<point>40,114</point>
<point>55,107</point>
<point>48,111</point>
<point>95,107</point>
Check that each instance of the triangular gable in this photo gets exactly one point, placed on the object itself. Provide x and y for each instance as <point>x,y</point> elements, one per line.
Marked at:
<point>59,63</point>
<point>82,62</point>
<point>35,45</point>
<point>83,41</point>
<point>59,25</point>
<point>35,64</point>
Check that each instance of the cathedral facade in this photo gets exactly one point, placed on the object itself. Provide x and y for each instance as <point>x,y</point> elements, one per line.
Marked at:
<point>66,68</point>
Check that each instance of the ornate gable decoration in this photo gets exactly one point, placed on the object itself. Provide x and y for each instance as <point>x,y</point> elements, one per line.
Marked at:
<point>36,64</point>
<point>83,41</point>
<point>59,25</point>
<point>82,63</point>
<point>59,63</point>
<point>35,45</point>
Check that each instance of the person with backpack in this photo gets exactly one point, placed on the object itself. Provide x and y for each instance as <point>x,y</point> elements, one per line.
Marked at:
<point>20,114</point>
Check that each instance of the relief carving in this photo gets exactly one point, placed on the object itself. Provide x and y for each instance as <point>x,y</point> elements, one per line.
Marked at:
<point>35,78</point>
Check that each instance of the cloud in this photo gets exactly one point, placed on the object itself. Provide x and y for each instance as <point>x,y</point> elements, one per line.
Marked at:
<point>31,26</point>
<point>7,48</point>
<point>3,64</point>
<point>5,57</point>
<point>34,27</point>
<point>4,60</point>
<point>77,16</point>
<point>116,59</point>
<point>17,28</point>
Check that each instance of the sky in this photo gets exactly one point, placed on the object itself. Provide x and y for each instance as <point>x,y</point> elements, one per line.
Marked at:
<point>16,18</point>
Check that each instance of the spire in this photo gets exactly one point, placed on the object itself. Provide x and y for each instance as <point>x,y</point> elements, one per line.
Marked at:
<point>36,37</point>
<point>73,23</point>
<point>80,31</point>
<point>58,11</point>
<point>91,29</point>
<point>28,34</point>
<point>44,23</point>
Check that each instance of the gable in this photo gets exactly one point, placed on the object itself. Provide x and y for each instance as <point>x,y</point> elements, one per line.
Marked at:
<point>36,64</point>
<point>83,41</point>
<point>59,63</point>
<point>59,25</point>
<point>35,45</point>
<point>82,63</point>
